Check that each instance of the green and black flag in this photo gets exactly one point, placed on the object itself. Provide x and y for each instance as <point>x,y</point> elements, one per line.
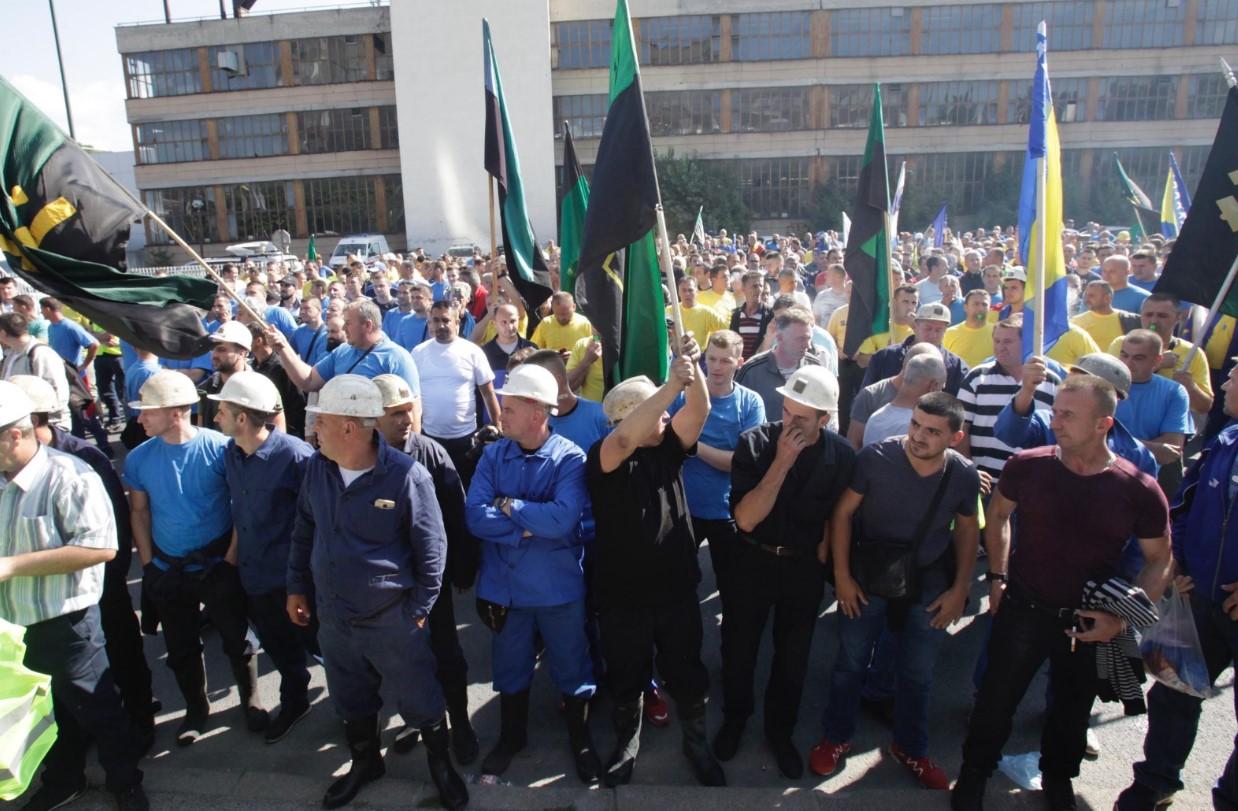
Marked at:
<point>1207,244</point>
<point>868,256</point>
<point>1139,202</point>
<point>622,292</point>
<point>64,223</point>
<point>572,208</point>
<point>525,260</point>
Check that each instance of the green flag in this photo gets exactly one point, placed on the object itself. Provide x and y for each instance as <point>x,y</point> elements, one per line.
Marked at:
<point>64,223</point>
<point>868,257</point>
<point>311,251</point>
<point>572,213</point>
<point>698,230</point>
<point>1140,203</point>
<point>622,292</point>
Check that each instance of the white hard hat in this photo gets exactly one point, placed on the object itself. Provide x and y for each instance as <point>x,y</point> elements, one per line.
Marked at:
<point>395,390</point>
<point>166,389</point>
<point>233,332</point>
<point>934,311</point>
<point>813,386</point>
<point>623,399</point>
<point>249,390</point>
<point>14,404</point>
<point>42,395</point>
<point>533,382</point>
<point>349,396</point>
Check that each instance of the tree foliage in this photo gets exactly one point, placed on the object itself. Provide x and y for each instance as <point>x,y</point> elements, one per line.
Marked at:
<point>688,183</point>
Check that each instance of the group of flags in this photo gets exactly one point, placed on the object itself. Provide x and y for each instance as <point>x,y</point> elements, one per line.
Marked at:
<point>1169,215</point>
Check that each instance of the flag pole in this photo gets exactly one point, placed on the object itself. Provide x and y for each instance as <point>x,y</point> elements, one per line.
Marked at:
<point>494,248</point>
<point>664,259</point>
<point>1038,312</point>
<point>890,286</point>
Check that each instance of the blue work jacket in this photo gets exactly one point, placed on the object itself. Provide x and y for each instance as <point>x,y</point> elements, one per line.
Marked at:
<point>1205,539</point>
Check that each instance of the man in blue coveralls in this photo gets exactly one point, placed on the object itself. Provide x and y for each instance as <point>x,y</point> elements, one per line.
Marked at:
<point>369,543</point>
<point>524,505</point>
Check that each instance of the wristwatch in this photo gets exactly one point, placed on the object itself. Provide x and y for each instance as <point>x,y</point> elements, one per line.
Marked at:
<point>1000,577</point>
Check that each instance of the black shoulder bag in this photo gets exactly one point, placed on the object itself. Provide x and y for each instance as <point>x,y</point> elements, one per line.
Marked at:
<point>886,568</point>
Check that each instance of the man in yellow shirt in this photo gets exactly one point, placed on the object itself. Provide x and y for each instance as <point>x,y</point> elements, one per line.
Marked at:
<point>700,320</point>
<point>1101,320</point>
<point>585,375</point>
<point>1070,346</point>
<point>972,340</point>
<point>718,296</point>
<point>906,299</point>
<point>565,326</point>
<point>1159,314</point>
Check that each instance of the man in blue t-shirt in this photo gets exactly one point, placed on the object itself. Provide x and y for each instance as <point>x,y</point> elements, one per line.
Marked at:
<point>69,339</point>
<point>1157,411</point>
<point>182,526</point>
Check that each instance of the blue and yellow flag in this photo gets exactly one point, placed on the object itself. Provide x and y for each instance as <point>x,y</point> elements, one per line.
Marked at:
<point>1040,212</point>
<point>1175,202</point>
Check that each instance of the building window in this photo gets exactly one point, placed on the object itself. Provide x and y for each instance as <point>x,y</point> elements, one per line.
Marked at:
<point>580,44</point>
<point>958,175</point>
<point>851,106</point>
<point>770,109</point>
<point>384,62</point>
<point>163,73</point>
<point>256,66</point>
<point>1069,24</point>
<point>256,210</point>
<point>388,129</point>
<point>344,205</point>
<point>1216,22</point>
<point>684,112</point>
<point>1143,23</point>
<point>328,60</point>
<point>172,142</point>
<point>1191,163</point>
<point>189,212</point>
<point>774,188</point>
<point>764,37</point>
<point>958,103</point>
<point>1137,98</point>
<point>585,115</point>
<point>1206,95</point>
<point>961,29</point>
<point>1069,100</point>
<point>253,136</point>
<point>870,32</point>
<point>334,130</point>
<point>393,190</point>
<point>845,173</point>
<point>686,40</point>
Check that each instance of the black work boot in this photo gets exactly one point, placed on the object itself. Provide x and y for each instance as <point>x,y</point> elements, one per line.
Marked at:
<point>588,766</point>
<point>726,742</point>
<point>452,792</point>
<point>191,680</point>
<point>245,671</point>
<point>968,791</point>
<point>367,762</point>
<point>513,732</point>
<point>696,746</point>
<point>627,720</point>
<point>464,743</point>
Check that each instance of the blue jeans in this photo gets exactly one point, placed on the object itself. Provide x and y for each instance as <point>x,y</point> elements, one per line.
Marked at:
<point>1173,717</point>
<point>567,649</point>
<point>917,645</point>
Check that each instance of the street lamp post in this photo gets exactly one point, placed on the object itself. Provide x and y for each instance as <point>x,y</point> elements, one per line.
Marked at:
<point>64,86</point>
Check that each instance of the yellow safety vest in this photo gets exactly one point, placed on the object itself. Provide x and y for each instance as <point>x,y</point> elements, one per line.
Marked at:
<point>27,722</point>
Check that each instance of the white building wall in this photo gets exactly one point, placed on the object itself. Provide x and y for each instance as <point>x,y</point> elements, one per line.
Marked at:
<point>440,104</point>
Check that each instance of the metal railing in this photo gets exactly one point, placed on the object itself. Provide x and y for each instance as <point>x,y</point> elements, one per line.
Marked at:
<point>340,7</point>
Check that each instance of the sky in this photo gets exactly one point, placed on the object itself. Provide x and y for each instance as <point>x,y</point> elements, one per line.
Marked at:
<point>92,65</point>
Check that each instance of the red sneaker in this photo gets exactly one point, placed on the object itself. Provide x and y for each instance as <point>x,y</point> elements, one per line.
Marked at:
<point>926,771</point>
<point>657,711</point>
<point>825,757</point>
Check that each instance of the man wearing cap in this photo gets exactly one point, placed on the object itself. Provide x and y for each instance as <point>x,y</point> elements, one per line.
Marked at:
<point>932,321</point>
<point>646,570</point>
<point>182,526</point>
<point>59,533</point>
<point>369,545</point>
<point>264,471</point>
<point>524,504</point>
<point>1071,345</point>
<point>1160,315</point>
<point>786,476</point>
<point>460,569</point>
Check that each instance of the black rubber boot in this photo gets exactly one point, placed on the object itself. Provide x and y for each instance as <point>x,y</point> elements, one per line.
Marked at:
<point>696,746</point>
<point>464,743</point>
<point>245,671</point>
<point>626,718</point>
<point>452,792</point>
<point>513,732</point>
<point>192,682</point>
<point>367,762</point>
<point>576,711</point>
<point>968,791</point>
<point>726,742</point>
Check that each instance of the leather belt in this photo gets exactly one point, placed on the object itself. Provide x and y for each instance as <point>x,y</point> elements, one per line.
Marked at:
<point>1019,597</point>
<point>776,551</point>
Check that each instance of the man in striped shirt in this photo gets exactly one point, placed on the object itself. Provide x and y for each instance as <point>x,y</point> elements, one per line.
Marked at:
<point>990,386</point>
<point>59,533</point>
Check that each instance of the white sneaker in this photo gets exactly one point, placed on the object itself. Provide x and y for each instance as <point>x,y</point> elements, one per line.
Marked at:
<point>1091,749</point>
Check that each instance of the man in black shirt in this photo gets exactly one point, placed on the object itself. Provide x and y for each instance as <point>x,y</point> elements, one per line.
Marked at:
<point>268,364</point>
<point>645,571</point>
<point>785,478</point>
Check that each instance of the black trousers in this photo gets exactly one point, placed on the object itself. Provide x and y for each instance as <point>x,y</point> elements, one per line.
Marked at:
<point>221,592</point>
<point>458,450</point>
<point>633,636</point>
<point>451,666</point>
<point>1023,637</point>
<point>70,649</point>
<point>285,643</point>
<point>110,380</point>
<point>124,640</point>
<point>722,540</point>
<point>759,584</point>
<point>850,380</point>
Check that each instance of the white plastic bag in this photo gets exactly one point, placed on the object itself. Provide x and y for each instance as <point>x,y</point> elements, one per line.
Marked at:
<point>1171,650</point>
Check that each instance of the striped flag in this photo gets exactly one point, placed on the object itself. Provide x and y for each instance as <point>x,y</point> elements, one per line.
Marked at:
<point>1140,203</point>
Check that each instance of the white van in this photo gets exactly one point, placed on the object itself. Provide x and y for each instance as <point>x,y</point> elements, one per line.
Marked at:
<point>365,247</point>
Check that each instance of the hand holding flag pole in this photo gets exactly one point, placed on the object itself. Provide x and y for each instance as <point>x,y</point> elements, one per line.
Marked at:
<point>664,259</point>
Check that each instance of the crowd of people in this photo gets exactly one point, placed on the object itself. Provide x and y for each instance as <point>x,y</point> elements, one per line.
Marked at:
<point>360,442</point>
